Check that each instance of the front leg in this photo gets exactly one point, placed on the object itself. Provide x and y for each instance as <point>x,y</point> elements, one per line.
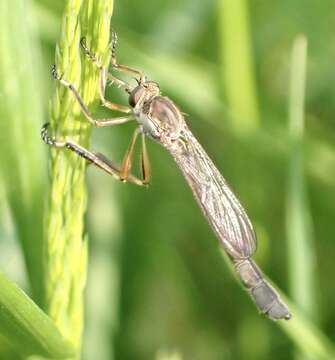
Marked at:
<point>95,122</point>
<point>104,75</point>
<point>123,68</point>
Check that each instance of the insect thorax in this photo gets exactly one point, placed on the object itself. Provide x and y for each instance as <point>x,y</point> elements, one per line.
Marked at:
<point>160,119</point>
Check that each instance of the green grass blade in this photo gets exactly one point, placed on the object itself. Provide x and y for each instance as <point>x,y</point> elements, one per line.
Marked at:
<point>308,338</point>
<point>299,226</point>
<point>27,327</point>
<point>21,158</point>
<point>301,248</point>
<point>66,250</point>
<point>310,342</point>
<point>237,63</point>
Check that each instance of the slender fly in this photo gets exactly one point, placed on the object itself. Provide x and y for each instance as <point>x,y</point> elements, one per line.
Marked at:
<point>160,119</point>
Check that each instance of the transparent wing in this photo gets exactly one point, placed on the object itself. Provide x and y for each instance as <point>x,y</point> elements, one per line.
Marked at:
<point>218,203</point>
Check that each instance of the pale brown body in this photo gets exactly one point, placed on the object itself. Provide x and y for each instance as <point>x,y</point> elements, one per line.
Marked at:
<point>160,119</point>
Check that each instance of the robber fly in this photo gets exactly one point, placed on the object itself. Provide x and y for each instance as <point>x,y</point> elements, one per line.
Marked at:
<point>160,119</point>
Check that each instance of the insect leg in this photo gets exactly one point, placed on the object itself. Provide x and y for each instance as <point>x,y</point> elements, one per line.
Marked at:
<point>123,68</point>
<point>145,164</point>
<point>104,75</point>
<point>95,122</point>
<point>96,159</point>
<point>126,163</point>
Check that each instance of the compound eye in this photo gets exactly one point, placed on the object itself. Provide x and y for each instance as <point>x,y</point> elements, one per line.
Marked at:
<point>135,96</point>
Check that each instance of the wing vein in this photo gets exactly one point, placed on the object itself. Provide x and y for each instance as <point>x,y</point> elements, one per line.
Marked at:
<point>219,204</point>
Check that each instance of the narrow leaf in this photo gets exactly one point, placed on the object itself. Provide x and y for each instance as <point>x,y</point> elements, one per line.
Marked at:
<point>26,326</point>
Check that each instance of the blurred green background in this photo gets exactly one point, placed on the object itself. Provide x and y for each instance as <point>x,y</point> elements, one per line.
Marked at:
<point>157,281</point>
